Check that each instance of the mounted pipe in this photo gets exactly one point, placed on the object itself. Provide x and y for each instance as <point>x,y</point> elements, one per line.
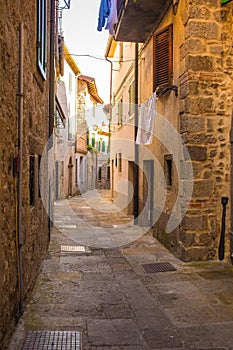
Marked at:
<point>19,167</point>
<point>136,164</point>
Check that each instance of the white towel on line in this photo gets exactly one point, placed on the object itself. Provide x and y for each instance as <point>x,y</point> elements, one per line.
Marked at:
<point>146,121</point>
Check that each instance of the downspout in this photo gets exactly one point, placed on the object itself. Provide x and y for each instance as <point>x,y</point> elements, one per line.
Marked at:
<point>110,116</point>
<point>52,68</point>
<point>136,147</point>
<point>20,168</point>
<point>51,98</point>
<point>231,193</point>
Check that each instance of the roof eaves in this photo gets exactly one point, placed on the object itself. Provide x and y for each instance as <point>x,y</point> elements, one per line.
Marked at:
<point>71,62</point>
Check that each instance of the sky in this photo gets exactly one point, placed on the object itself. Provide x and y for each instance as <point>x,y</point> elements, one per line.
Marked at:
<point>79,25</point>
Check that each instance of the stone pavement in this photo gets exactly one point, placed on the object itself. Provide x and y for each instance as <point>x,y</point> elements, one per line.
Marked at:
<point>107,295</point>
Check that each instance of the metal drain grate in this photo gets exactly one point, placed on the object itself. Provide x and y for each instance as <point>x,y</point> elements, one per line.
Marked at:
<point>158,267</point>
<point>52,340</point>
<point>73,248</point>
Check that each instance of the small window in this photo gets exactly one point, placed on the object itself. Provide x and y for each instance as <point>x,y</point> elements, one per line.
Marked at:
<point>93,140</point>
<point>163,57</point>
<point>119,162</point>
<point>32,180</point>
<point>70,82</point>
<point>108,173</point>
<point>99,175</point>
<point>120,111</point>
<point>168,169</point>
<point>41,36</point>
<point>76,171</point>
<point>103,146</point>
<point>39,162</point>
<point>99,145</point>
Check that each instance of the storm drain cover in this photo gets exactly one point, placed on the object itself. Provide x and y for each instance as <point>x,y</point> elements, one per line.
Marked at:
<point>73,248</point>
<point>52,340</point>
<point>158,267</point>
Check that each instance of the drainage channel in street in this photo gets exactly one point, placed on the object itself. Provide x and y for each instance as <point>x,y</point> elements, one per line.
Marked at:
<point>56,340</point>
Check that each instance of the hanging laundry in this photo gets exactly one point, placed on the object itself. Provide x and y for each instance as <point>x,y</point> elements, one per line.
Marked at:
<point>104,12</point>
<point>146,121</point>
<point>112,18</point>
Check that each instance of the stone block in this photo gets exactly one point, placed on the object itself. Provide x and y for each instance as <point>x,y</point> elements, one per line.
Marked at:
<point>192,124</point>
<point>198,153</point>
<point>206,30</point>
<point>203,188</point>
<point>199,12</point>
<point>194,223</point>
<point>199,105</point>
<point>200,63</point>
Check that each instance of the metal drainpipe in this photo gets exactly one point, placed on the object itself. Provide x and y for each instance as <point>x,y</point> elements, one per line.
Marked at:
<point>231,193</point>
<point>136,149</point>
<point>52,68</point>
<point>20,170</point>
<point>110,116</point>
<point>51,98</point>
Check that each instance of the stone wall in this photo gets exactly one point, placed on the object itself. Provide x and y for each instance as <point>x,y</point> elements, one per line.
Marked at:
<point>205,121</point>
<point>35,132</point>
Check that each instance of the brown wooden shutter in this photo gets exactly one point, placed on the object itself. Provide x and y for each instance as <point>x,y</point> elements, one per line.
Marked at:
<point>163,57</point>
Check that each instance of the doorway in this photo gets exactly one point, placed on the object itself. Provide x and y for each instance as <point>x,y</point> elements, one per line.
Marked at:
<point>148,192</point>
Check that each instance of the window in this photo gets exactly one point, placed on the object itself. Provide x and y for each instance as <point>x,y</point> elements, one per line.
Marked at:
<point>41,36</point>
<point>119,162</point>
<point>108,173</point>
<point>39,162</point>
<point>76,171</point>
<point>103,146</point>
<point>132,98</point>
<point>93,140</point>
<point>99,175</point>
<point>31,181</point>
<point>168,169</point>
<point>163,57</point>
<point>70,82</point>
<point>120,111</point>
<point>99,145</point>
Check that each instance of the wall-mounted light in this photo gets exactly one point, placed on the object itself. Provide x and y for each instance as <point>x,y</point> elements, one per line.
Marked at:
<point>175,6</point>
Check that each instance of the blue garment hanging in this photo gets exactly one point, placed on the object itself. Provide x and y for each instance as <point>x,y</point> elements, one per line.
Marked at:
<point>104,12</point>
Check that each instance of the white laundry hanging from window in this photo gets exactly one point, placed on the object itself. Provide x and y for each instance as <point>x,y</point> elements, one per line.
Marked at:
<point>146,121</point>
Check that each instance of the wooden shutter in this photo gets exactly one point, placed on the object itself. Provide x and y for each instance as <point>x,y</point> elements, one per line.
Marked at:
<point>132,98</point>
<point>163,57</point>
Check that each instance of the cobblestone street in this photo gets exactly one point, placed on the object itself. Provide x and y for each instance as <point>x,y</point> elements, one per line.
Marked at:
<point>114,297</point>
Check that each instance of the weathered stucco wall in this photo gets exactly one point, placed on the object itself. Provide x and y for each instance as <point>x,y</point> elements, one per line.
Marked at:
<point>35,132</point>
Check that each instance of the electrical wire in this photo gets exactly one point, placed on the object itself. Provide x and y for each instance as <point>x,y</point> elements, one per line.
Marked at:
<point>100,58</point>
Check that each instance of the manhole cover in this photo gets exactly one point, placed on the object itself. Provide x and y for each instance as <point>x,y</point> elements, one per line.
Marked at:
<point>73,248</point>
<point>158,267</point>
<point>41,340</point>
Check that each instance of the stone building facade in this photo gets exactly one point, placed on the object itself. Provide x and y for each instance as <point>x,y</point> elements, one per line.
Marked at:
<point>196,101</point>
<point>24,117</point>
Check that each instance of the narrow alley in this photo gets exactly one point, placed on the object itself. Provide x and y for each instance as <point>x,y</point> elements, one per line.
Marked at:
<point>134,297</point>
